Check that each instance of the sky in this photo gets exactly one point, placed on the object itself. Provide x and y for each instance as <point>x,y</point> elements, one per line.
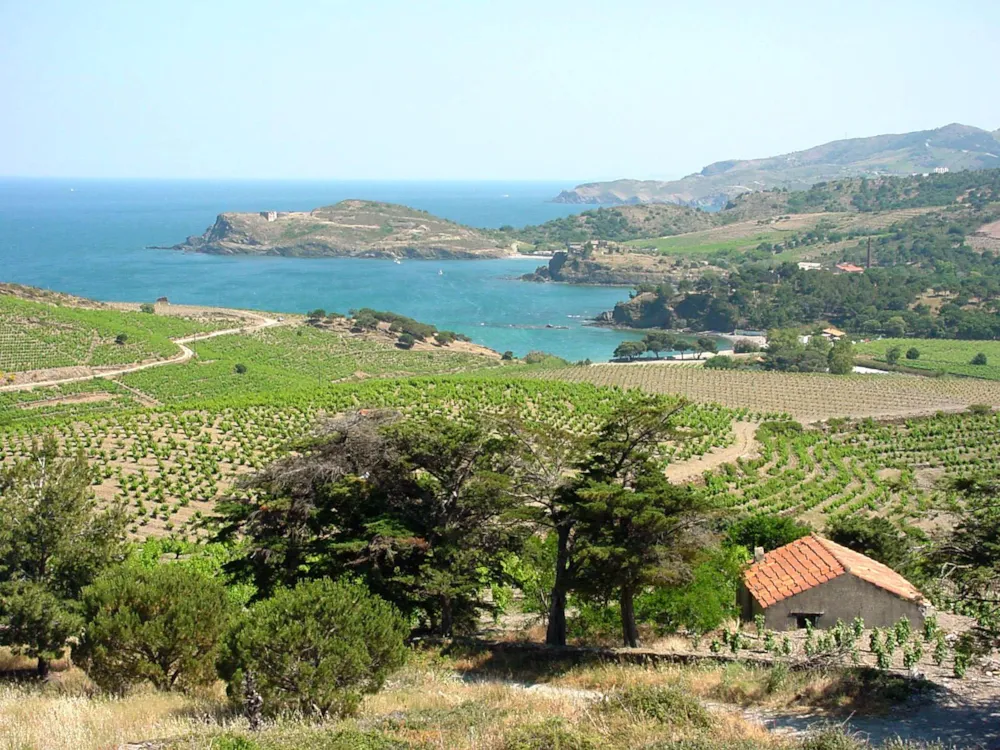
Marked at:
<point>472,89</point>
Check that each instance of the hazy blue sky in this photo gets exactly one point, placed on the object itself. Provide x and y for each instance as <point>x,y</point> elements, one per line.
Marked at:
<point>378,89</point>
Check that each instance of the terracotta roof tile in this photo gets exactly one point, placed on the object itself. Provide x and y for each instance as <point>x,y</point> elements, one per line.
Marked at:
<point>872,571</point>
<point>812,560</point>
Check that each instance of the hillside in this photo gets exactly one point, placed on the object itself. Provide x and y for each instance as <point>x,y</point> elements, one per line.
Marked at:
<point>351,228</point>
<point>617,224</point>
<point>824,224</point>
<point>953,147</point>
<point>46,335</point>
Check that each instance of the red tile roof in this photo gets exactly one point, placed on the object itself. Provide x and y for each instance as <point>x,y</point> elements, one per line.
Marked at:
<point>812,560</point>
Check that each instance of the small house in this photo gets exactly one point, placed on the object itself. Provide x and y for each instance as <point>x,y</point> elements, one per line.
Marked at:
<point>816,581</point>
<point>806,265</point>
<point>849,268</point>
<point>834,334</point>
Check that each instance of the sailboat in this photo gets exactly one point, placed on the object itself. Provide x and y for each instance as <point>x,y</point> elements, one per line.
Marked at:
<point>440,272</point>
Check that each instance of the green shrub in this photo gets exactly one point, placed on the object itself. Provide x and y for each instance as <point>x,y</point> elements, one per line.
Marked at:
<point>979,359</point>
<point>550,735</point>
<point>913,353</point>
<point>832,738</point>
<point>767,531</point>
<point>538,357</point>
<point>593,621</point>
<point>406,341</point>
<point>317,648</point>
<point>147,307</point>
<point>162,624</point>
<point>668,705</point>
<point>701,604</point>
<point>745,346</point>
<point>721,362</point>
<point>240,368</point>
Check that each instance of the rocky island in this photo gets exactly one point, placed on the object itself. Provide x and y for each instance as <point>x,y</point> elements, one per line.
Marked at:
<point>351,228</point>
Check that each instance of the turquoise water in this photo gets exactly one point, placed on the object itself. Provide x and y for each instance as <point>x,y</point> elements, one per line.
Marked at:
<point>92,237</point>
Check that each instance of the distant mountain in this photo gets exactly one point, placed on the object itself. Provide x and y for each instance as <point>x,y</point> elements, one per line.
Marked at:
<point>353,228</point>
<point>953,147</point>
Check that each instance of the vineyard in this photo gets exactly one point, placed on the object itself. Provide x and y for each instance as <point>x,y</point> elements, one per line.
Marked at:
<point>36,335</point>
<point>169,466</point>
<point>285,358</point>
<point>70,401</point>
<point>803,396</point>
<point>940,355</point>
<point>892,469</point>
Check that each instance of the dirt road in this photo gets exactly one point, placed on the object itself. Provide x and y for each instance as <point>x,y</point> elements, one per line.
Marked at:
<point>184,355</point>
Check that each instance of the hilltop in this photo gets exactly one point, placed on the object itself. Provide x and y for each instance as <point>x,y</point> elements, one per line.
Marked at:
<point>351,228</point>
<point>952,147</point>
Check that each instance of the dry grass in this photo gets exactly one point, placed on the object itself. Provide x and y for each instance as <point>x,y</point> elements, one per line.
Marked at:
<point>428,705</point>
<point>66,713</point>
<point>438,703</point>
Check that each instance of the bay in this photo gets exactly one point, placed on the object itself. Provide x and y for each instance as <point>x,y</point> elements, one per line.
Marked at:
<point>92,238</point>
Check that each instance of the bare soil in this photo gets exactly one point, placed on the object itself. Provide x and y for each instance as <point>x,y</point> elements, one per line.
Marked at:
<point>744,446</point>
<point>81,398</point>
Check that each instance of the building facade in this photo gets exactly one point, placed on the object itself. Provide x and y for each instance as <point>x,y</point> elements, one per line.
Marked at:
<point>818,581</point>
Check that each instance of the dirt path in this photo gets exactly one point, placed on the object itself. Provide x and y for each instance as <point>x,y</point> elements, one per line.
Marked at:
<point>185,355</point>
<point>956,717</point>
<point>744,446</point>
<point>961,718</point>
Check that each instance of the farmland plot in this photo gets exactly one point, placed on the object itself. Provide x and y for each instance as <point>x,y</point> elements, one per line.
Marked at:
<point>894,469</point>
<point>37,335</point>
<point>169,466</point>
<point>941,355</point>
<point>804,396</point>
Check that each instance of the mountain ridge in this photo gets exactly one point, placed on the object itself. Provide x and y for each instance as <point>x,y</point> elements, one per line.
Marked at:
<point>951,147</point>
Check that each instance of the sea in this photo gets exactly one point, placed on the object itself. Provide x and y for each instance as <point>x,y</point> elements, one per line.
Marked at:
<point>96,239</point>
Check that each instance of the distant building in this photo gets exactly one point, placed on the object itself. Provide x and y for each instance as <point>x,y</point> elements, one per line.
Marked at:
<point>269,215</point>
<point>834,334</point>
<point>816,581</point>
<point>805,265</point>
<point>849,268</point>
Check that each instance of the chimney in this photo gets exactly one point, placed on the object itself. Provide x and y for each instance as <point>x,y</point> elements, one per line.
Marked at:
<point>758,554</point>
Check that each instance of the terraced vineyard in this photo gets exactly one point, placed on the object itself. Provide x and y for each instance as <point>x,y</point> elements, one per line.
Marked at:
<point>41,405</point>
<point>940,355</point>
<point>894,469</point>
<point>805,397</point>
<point>169,466</point>
<point>36,335</point>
